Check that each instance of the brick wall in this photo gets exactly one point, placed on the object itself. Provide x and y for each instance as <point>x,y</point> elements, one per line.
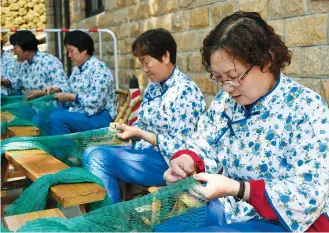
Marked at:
<point>302,23</point>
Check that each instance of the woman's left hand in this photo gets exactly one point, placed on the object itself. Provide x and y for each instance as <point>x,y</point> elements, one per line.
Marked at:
<point>65,97</point>
<point>35,94</point>
<point>128,132</point>
<point>216,185</point>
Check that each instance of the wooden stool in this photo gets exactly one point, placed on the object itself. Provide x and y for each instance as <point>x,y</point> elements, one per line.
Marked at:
<point>36,163</point>
<point>13,223</point>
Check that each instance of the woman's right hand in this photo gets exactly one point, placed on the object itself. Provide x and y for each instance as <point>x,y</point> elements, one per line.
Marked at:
<point>179,168</point>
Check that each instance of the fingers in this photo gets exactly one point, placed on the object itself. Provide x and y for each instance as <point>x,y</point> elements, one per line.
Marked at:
<point>121,126</point>
<point>176,169</point>
<point>170,177</point>
<point>201,177</point>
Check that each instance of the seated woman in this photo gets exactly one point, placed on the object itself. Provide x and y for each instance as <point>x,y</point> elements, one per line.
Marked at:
<point>268,134</point>
<point>38,69</point>
<point>169,113</point>
<point>90,102</point>
<point>9,67</point>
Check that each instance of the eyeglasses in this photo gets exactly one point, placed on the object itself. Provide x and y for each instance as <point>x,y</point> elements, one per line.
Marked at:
<point>231,83</point>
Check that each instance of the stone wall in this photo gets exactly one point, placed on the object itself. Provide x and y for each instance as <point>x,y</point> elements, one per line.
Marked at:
<point>303,24</point>
<point>23,14</point>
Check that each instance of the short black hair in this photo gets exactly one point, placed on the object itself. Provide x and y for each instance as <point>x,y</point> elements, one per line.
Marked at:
<point>25,39</point>
<point>155,43</point>
<point>81,40</point>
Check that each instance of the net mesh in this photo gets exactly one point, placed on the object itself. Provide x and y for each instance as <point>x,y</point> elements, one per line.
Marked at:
<point>11,99</point>
<point>177,207</point>
<point>24,111</point>
<point>64,146</point>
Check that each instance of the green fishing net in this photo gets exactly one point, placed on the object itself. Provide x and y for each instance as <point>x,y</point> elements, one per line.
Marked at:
<point>178,207</point>
<point>64,146</point>
<point>25,110</point>
<point>11,99</point>
<point>35,196</point>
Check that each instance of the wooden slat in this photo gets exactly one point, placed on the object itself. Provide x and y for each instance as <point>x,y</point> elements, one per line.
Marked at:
<point>22,131</point>
<point>18,131</point>
<point>13,223</point>
<point>36,163</point>
<point>7,116</point>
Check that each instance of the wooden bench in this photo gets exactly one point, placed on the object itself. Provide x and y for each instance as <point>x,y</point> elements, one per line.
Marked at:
<point>13,223</point>
<point>36,163</point>
<point>17,131</point>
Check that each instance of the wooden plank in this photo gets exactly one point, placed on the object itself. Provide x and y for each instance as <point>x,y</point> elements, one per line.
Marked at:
<point>36,163</point>
<point>18,131</point>
<point>22,131</point>
<point>13,223</point>
<point>7,116</point>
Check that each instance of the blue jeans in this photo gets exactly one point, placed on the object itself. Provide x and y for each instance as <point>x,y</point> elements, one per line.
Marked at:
<point>121,163</point>
<point>64,122</point>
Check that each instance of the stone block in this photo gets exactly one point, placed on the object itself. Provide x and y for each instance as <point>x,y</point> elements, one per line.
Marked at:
<point>315,61</point>
<point>121,3</point>
<point>293,68</point>
<point>205,84</point>
<point>283,8</point>
<point>14,6</point>
<point>142,10</point>
<point>220,11</point>
<point>164,22</point>
<point>181,62</point>
<point>168,6</point>
<point>308,30</point>
<point>277,26</point>
<point>195,63</point>
<point>110,5</point>
<point>318,6</point>
<point>148,24</point>
<point>259,6</point>
<point>134,30</point>
<point>325,90</point>
<point>186,4</point>
<point>180,21</point>
<point>188,41</point>
<point>313,84</point>
<point>154,7</point>
<point>120,16</point>
<point>199,17</point>
<point>124,30</point>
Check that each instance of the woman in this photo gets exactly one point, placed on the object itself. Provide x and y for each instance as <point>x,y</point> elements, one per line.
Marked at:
<point>168,114</point>
<point>266,134</point>
<point>90,102</point>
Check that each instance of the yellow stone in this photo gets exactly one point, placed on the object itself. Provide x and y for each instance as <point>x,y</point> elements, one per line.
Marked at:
<point>307,30</point>
<point>284,8</point>
<point>199,17</point>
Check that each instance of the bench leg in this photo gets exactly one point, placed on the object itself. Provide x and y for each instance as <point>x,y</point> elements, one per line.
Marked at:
<point>4,169</point>
<point>83,209</point>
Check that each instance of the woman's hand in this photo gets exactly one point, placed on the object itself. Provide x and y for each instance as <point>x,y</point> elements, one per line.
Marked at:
<point>65,97</point>
<point>35,94</point>
<point>179,168</point>
<point>216,185</point>
<point>50,90</point>
<point>127,132</point>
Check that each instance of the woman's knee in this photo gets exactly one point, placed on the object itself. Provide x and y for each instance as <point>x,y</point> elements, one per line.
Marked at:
<point>97,158</point>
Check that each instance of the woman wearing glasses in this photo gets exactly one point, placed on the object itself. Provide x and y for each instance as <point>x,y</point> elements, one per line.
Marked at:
<point>267,135</point>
